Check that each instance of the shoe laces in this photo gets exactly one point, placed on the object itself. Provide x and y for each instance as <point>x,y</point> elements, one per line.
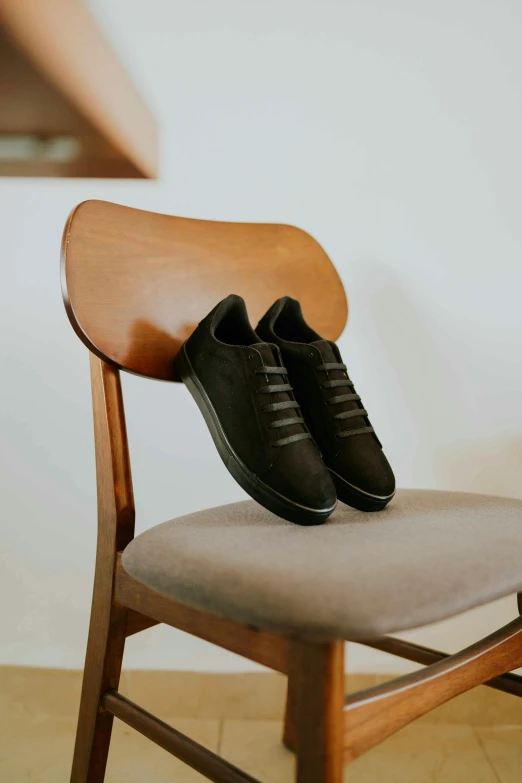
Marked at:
<point>290,405</point>
<point>338,399</point>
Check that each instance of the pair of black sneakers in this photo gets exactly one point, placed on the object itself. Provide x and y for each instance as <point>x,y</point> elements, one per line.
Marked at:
<point>283,413</point>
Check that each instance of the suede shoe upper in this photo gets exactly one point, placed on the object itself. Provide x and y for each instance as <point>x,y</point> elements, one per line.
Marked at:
<point>248,388</point>
<point>331,407</point>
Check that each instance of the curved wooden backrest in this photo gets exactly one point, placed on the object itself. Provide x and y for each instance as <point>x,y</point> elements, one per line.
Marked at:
<point>136,284</point>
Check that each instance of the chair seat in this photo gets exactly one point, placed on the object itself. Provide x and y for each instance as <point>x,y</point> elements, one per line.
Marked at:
<point>427,556</point>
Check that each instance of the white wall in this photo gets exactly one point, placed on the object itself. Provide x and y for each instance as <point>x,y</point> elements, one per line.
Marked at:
<point>390,131</point>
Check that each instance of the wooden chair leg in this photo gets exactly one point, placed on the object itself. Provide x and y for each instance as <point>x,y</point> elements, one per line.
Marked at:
<point>102,670</point>
<point>316,720</point>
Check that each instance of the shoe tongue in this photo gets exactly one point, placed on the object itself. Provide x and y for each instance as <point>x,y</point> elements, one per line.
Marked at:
<point>329,354</point>
<point>325,349</point>
<point>268,352</point>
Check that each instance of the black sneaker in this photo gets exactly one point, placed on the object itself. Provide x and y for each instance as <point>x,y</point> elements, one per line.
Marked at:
<point>242,390</point>
<point>331,408</point>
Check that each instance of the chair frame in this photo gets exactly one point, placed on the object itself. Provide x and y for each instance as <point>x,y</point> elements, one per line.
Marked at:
<point>324,729</point>
<point>321,726</point>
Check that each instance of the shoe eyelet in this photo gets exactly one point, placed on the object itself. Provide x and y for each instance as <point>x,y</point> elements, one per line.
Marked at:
<point>251,356</point>
<point>311,353</point>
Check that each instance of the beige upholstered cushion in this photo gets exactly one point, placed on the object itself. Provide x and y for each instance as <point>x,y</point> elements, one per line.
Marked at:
<point>427,556</point>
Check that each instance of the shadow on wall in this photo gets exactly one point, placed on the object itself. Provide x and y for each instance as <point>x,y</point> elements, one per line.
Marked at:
<point>413,352</point>
<point>405,346</point>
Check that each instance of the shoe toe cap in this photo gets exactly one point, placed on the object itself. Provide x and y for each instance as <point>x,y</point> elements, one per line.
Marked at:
<point>301,476</point>
<point>367,470</point>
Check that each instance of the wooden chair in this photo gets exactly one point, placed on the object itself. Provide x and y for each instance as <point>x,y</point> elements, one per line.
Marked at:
<point>135,284</point>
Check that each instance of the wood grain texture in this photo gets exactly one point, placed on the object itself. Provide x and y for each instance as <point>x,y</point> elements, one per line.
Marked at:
<point>318,672</point>
<point>507,683</point>
<point>63,41</point>
<point>264,647</point>
<point>375,714</point>
<point>173,741</point>
<point>115,529</point>
<point>137,283</point>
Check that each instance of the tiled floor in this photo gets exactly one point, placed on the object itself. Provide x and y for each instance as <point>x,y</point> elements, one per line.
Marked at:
<point>37,725</point>
<point>39,750</point>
